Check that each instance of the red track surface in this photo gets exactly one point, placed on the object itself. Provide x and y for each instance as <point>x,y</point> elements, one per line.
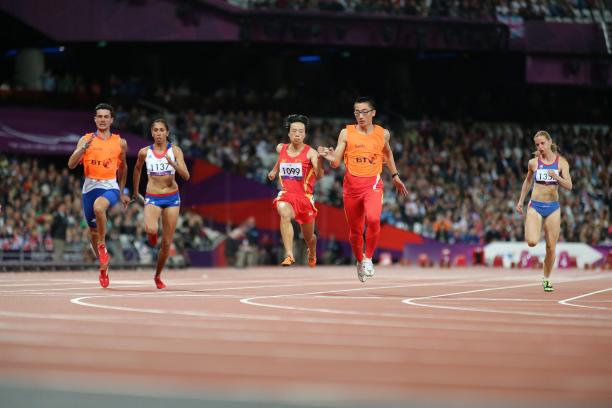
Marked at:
<point>467,335</point>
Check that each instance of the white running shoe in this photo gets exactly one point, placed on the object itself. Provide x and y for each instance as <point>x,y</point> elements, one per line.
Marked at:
<point>368,267</point>
<point>360,272</point>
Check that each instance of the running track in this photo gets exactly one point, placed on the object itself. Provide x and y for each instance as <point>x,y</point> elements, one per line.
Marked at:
<point>298,337</point>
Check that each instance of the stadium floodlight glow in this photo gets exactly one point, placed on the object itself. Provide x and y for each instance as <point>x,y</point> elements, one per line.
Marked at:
<point>309,58</point>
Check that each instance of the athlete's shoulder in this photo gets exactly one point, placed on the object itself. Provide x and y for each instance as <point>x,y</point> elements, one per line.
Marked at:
<point>175,149</point>
<point>385,132</point>
<point>85,138</point>
<point>344,132</point>
<point>279,147</point>
<point>309,149</point>
<point>533,162</point>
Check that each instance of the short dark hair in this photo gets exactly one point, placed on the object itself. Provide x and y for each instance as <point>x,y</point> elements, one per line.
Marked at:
<point>365,99</point>
<point>106,106</point>
<point>297,118</point>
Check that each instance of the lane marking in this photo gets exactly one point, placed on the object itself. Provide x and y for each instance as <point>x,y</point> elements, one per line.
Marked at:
<point>413,302</point>
<point>567,302</point>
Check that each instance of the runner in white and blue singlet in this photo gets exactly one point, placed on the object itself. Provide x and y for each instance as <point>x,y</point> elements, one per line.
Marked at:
<point>545,173</point>
<point>163,160</point>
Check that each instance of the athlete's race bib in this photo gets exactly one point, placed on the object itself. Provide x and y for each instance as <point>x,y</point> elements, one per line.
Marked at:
<point>291,171</point>
<point>160,168</point>
<point>542,176</point>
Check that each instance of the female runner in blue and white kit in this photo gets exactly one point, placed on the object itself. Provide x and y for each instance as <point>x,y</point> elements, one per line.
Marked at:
<point>163,160</point>
<point>546,171</point>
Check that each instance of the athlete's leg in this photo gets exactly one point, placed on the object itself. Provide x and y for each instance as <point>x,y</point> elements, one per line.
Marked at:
<point>373,209</point>
<point>533,227</point>
<point>100,207</point>
<point>87,200</point>
<point>169,219</point>
<point>286,213</point>
<point>355,216</point>
<point>311,242</point>
<point>93,238</point>
<point>552,228</point>
<point>151,218</point>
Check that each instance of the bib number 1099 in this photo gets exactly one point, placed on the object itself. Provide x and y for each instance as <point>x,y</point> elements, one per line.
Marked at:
<point>291,170</point>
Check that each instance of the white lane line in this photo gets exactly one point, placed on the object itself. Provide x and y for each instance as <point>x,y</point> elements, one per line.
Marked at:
<point>119,284</point>
<point>567,302</point>
<point>455,299</point>
<point>413,302</point>
<point>252,300</point>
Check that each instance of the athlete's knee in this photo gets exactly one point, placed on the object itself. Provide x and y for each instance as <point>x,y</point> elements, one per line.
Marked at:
<point>165,245</point>
<point>285,216</point>
<point>550,249</point>
<point>310,240</point>
<point>151,229</point>
<point>532,242</point>
<point>373,225</point>
<point>355,231</point>
<point>99,209</point>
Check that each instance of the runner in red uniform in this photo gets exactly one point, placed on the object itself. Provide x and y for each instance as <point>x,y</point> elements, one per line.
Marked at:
<point>298,166</point>
<point>364,147</point>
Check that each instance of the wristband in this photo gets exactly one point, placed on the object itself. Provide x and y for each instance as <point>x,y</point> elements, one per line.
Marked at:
<point>394,174</point>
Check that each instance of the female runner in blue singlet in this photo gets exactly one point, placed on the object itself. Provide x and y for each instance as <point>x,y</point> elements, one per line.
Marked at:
<point>546,172</point>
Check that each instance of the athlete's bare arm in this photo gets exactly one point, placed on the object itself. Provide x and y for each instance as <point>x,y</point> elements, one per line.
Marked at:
<point>77,155</point>
<point>122,172</point>
<point>526,183</point>
<point>142,155</point>
<point>564,179</point>
<point>334,155</point>
<point>272,174</point>
<point>179,163</point>
<point>390,162</point>
<point>317,163</point>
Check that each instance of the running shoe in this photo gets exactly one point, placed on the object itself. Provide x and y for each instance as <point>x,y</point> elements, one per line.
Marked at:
<point>312,261</point>
<point>368,267</point>
<point>288,261</point>
<point>548,287</point>
<point>104,281</point>
<point>361,272</point>
<point>152,239</point>
<point>159,283</point>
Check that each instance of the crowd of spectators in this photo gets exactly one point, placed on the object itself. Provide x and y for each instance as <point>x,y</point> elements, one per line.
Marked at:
<point>41,220</point>
<point>463,181</point>
<point>464,9</point>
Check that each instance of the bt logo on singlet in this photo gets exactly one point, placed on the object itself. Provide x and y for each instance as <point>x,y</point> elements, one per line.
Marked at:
<point>364,160</point>
<point>105,163</point>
